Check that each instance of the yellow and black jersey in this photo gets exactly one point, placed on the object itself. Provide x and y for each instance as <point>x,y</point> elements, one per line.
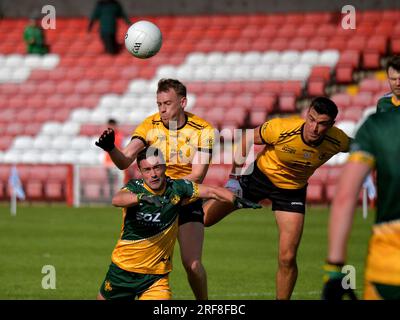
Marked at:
<point>287,160</point>
<point>178,146</point>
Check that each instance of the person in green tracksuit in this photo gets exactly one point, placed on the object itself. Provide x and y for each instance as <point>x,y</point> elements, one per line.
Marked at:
<point>391,101</point>
<point>108,12</point>
<point>34,38</point>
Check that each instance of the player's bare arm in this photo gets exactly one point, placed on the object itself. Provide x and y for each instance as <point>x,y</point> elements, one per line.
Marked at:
<point>343,208</point>
<point>200,165</point>
<point>125,198</point>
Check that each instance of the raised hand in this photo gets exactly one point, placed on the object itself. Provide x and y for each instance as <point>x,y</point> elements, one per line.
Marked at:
<point>106,140</point>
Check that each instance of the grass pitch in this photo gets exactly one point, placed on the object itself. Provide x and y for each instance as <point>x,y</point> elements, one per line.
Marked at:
<point>240,253</point>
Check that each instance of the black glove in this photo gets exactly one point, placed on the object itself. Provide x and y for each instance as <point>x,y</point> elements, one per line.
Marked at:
<point>106,140</point>
<point>156,201</point>
<point>333,288</point>
<point>240,203</point>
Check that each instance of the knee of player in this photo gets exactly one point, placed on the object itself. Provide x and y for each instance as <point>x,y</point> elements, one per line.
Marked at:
<point>192,266</point>
<point>287,259</point>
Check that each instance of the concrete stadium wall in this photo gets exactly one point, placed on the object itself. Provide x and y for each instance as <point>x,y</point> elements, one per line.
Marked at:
<point>66,8</point>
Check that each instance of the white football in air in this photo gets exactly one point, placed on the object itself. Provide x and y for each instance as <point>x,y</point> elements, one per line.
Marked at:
<point>143,39</point>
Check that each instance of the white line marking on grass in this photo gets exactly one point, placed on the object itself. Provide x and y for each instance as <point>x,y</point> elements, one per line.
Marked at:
<point>253,294</point>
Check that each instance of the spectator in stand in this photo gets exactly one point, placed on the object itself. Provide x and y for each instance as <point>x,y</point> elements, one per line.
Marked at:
<point>391,101</point>
<point>34,37</point>
<point>108,12</point>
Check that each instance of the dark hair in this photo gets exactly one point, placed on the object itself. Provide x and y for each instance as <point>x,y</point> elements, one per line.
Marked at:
<point>166,84</point>
<point>394,62</point>
<point>112,122</point>
<point>325,105</point>
<point>149,152</point>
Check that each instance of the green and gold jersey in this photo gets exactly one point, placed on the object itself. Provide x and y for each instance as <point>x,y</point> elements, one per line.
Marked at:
<point>148,233</point>
<point>377,144</point>
<point>287,160</point>
<point>178,146</point>
<point>388,103</point>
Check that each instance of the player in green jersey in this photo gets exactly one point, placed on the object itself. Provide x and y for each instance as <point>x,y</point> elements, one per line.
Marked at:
<point>391,101</point>
<point>376,146</point>
<point>142,258</point>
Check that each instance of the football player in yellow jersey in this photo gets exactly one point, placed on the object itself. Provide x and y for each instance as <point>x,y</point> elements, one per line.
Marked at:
<point>294,149</point>
<point>186,140</point>
<point>142,258</point>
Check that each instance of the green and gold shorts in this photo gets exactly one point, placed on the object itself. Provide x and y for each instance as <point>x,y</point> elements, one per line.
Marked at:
<point>121,284</point>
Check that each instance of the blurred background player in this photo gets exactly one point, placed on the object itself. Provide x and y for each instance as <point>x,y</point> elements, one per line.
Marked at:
<point>186,141</point>
<point>373,148</point>
<point>34,37</point>
<point>142,258</point>
<point>108,12</point>
<point>294,149</point>
<point>391,101</point>
<point>113,173</point>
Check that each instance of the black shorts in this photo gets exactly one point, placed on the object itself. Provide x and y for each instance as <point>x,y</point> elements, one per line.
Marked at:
<point>256,187</point>
<point>192,212</point>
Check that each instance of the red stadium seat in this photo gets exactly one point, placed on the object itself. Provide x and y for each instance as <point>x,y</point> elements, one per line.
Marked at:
<point>205,101</point>
<point>253,87</point>
<point>279,44</point>
<point>58,173</point>
<point>317,43</point>
<point>337,42</point>
<point>264,102</point>
<point>377,43</point>
<point>32,129</point>
<point>233,87</point>
<point>316,87</point>
<point>92,191</point>
<point>287,31</point>
<point>34,190</point>
<point>224,100</point>
<point>395,45</point>
<point>287,102</point>
<point>350,57</point>
<point>356,42</point>
<point>371,59</point>
<point>344,73</point>
<point>214,87</point>
<point>321,72</point>
<point>294,87</point>
<point>342,100</point>
<point>306,31</point>
<point>353,114</point>
<point>298,44</point>
<point>54,191</point>
<point>325,30</point>
<point>235,116</point>
<point>257,118</point>
<point>363,99</point>
<point>243,100</point>
<point>273,87</point>
<point>5,142</point>
<point>370,85</point>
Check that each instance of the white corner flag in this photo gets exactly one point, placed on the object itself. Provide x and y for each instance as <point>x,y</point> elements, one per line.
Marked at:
<point>369,192</point>
<point>16,189</point>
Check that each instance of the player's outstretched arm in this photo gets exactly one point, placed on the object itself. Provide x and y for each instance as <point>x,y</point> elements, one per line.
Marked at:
<point>125,198</point>
<point>121,158</point>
